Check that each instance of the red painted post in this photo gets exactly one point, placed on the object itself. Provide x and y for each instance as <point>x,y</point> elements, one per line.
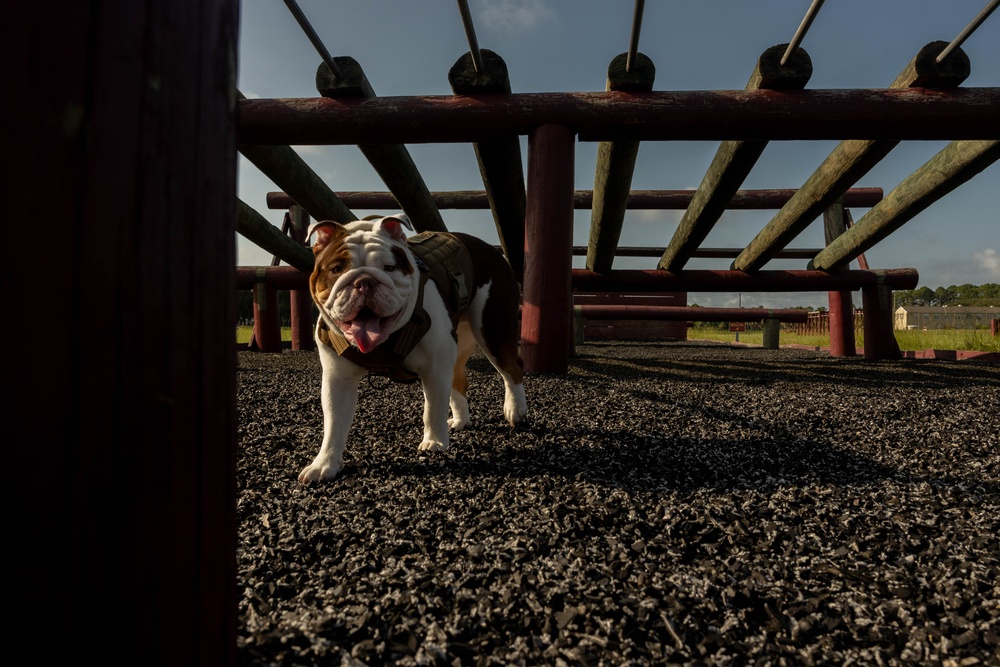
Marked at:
<point>266,324</point>
<point>841,302</point>
<point>546,321</point>
<point>880,341</point>
<point>842,342</point>
<point>300,301</point>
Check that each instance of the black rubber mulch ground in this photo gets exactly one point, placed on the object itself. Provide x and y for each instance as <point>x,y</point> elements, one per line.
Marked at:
<point>682,503</point>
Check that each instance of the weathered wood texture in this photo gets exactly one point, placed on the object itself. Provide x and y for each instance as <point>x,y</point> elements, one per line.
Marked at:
<point>771,333</point>
<point>288,171</point>
<point>851,159</point>
<point>841,302</point>
<point>955,164</point>
<point>391,160</point>
<point>734,159</point>
<point>618,312</point>
<point>880,340</point>
<point>639,281</point>
<point>546,319</point>
<point>253,226</point>
<point>121,415</point>
<point>266,322</point>
<point>583,199</point>
<point>615,165</point>
<point>499,158</point>
<point>300,301</point>
<point>966,113</point>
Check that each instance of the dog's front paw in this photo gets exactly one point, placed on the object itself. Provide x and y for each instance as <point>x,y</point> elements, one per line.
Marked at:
<point>319,471</point>
<point>458,423</point>
<point>433,446</point>
<point>515,406</point>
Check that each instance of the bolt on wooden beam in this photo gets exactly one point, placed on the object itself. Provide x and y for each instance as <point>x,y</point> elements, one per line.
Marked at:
<point>849,161</point>
<point>734,159</point>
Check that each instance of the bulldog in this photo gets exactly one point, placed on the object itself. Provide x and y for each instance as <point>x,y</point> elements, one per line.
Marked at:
<point>411,309</point>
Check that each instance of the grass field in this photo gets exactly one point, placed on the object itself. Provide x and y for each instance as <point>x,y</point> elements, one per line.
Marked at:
<point>978,341</point>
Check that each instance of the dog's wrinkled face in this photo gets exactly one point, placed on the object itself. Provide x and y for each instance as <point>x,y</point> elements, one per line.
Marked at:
<point>364,280</point>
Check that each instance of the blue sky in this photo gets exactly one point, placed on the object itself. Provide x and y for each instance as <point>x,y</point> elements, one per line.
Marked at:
<point>406,47</point>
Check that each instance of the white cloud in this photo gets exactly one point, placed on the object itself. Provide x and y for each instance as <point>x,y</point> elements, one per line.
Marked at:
<point>989,262</point>
<point>513,16</point>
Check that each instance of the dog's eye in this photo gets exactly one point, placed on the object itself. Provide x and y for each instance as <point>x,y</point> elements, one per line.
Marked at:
<point>389,268</point>
<point>336,268</point>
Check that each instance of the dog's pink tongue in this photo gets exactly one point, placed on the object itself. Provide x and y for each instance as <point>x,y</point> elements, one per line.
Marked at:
<point>366,333</point>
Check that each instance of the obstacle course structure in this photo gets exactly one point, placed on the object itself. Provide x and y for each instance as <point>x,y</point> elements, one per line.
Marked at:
<point>537,236</point>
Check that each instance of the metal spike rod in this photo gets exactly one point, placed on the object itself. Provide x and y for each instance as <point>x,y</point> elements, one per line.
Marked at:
<point>803,29</point>
<point>470,33</point>
<point>317,43</point>
<point>987,10</point>
<point>633,44</point>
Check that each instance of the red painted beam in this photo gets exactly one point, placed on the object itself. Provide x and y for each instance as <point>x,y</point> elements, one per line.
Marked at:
<point>583,199</point>
<point>671,313</point>
<point>637,281</point>
<point>655,280</point>
<point>894,114</point>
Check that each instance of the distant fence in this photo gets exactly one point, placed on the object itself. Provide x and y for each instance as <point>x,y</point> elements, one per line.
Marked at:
<point>818,323</point>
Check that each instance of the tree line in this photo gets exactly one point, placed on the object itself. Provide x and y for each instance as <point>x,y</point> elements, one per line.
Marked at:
<point>956,295</point>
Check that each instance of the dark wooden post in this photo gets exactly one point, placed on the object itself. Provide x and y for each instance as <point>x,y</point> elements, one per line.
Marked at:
<point>499,158</point>
<point>120,401</point>
<point>266,335</point>
<point>772,333</point>
<point>734,159</point>
<point>841,302</point>
<point>615,164</point>
<point>300,301</point>
<point>849,161</point>
<point>880,340</point>
<point>548,251</point>
<point>392,161</point>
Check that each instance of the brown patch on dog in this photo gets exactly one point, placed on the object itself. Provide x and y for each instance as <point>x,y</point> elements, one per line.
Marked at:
<point>403,262</point>
<point>500,321</point>
<point>332,260</point>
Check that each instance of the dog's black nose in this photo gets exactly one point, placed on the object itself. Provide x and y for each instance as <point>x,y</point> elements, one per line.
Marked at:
<point>364,283</point>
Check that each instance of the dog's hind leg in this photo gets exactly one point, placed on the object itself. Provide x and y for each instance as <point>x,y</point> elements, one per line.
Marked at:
<point>460,417</point>
<point>497,334</point>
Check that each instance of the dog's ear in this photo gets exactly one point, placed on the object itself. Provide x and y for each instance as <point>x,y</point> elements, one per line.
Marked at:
<point>325,231</point>
<point>393,226</point>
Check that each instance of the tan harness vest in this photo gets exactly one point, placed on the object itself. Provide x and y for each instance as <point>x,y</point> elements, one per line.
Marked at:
<point>449,266</point>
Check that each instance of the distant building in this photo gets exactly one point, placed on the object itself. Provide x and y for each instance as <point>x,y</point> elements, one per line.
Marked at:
<point>945,317</point>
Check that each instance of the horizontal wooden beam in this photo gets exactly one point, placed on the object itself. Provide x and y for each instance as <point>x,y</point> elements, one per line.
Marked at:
<point>628,281</point>
<point>583,199</point>
<point>692,280</point>
<point>703,253</point>
<point>795,115</point>
<point>679,314</point>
